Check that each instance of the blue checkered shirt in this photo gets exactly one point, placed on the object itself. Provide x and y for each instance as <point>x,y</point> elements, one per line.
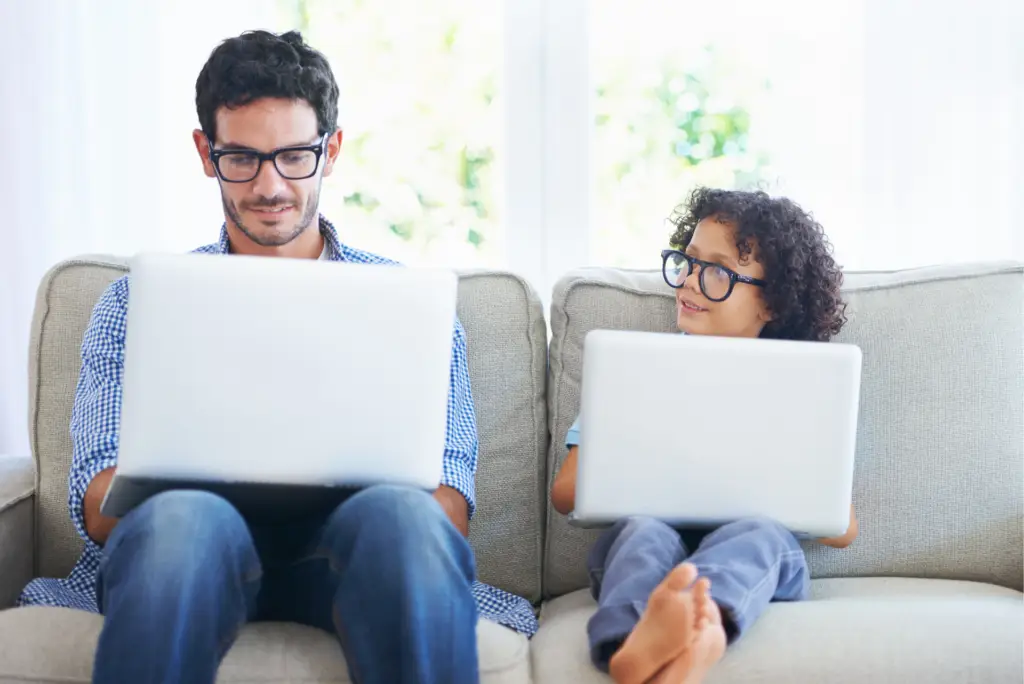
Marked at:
<point>96,416</point>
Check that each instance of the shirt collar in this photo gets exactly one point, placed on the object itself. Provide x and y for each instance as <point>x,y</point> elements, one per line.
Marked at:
<point>335,250</point>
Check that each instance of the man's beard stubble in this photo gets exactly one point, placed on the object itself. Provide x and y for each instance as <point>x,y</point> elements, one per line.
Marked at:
<point>274,240</point>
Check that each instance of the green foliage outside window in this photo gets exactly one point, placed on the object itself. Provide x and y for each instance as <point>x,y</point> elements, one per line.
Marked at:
<point>421,172</point>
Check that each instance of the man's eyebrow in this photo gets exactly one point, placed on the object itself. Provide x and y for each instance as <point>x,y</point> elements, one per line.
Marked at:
<point>231,145</point>
<point>236,146</point>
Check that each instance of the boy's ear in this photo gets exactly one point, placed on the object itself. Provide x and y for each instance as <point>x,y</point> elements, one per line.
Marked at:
<point>765,314</point>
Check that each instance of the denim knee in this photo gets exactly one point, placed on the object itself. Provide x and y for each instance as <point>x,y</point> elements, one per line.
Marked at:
<point>627,536</point>
<point>386,526</point>
<point>641,525</point>
<point>760,525</point>
<point>401,507</point>
<point>760,546</point>
<point>392,515</point>
<point>630,531</point>
<point>180,531</point>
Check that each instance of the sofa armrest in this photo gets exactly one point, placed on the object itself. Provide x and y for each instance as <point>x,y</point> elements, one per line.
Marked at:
<point>17,494</point>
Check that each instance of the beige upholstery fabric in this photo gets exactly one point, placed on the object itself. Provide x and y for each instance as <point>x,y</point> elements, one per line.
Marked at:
<point>16,488</point>
<point>63,305</point>
<point>507,348</point>
<point>939,485</point>
<point>507,341</point>
<point>853,631</point>
<point>44,645</point>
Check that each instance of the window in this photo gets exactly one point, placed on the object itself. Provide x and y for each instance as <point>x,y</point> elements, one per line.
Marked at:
<point>421,173</point>
<point>541,135</point>
<point>729,94</point>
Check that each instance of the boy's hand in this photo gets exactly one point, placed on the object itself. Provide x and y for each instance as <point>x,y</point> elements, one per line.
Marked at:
<point>846,539</point>
<point>563,491</point>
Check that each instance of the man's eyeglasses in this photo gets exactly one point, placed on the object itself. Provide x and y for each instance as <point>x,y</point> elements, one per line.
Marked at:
<point>293,163</point>
<point>716,281</point>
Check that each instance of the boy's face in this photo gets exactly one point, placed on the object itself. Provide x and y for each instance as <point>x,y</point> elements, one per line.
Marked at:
<point>743,313</point>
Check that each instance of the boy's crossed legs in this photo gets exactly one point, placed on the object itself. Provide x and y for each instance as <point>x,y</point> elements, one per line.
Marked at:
<point>659,624</point>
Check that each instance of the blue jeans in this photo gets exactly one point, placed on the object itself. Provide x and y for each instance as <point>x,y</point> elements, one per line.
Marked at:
<point>385,571</point>
<point>749,562</point>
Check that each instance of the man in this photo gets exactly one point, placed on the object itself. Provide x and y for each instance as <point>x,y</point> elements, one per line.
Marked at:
<point>389,570</point>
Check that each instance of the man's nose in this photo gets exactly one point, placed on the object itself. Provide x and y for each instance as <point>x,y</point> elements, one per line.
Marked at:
<point>268,181</point>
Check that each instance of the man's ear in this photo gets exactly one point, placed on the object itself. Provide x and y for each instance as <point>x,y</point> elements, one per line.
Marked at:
<point>203,148</point>
<point>333,149</point>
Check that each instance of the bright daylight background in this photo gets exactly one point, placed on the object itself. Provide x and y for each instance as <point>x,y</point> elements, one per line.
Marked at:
<point>534,135</point>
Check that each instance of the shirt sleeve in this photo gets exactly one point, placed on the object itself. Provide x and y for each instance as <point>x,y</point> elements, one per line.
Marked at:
<point>461,443</point>
<point>96,414</point>
<point>572,437</point>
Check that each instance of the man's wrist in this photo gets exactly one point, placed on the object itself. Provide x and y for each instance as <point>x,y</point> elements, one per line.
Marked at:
<point>97,525</point>
<point>455,507</point>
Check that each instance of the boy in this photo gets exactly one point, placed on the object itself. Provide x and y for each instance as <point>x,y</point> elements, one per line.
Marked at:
<point>743,264</point>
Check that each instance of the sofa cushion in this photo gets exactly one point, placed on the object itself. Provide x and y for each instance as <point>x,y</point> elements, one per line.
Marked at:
<point>507,344</point>
<point>940,445</point>
<point>43,645</point>
<point>853,630</point>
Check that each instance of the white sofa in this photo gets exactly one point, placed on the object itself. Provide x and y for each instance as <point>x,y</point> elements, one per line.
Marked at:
<point>930,592</point>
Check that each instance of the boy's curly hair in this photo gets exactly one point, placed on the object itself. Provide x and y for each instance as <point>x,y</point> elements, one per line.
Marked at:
<point>803,280</point>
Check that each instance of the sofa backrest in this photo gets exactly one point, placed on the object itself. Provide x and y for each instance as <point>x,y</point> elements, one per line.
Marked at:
<point>507,339</point>
<point>940,457</point>
<point>940,447</point>
<point>64,304</point>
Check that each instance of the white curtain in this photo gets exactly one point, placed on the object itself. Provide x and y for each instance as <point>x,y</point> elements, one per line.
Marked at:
<point>944,93</point>
<point>95,151</point>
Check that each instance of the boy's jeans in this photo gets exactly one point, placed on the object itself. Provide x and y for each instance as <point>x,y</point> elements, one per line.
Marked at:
<point>386,571</point>
<point>750,563</point>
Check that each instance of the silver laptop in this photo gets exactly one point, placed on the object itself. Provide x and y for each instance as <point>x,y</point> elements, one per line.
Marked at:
<point>699,431</point>
<point>283,384</point>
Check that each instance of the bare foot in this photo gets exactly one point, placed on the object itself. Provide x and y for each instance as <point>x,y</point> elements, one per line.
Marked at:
<point>707,646</point>
<point>663,633</point>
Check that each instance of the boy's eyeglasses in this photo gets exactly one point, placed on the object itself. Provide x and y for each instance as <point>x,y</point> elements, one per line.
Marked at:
<point>716,281</point>
<point>293,163</point>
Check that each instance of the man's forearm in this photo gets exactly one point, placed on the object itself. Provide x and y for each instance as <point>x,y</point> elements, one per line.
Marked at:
<point>455,507</point>
<point>97,525</point>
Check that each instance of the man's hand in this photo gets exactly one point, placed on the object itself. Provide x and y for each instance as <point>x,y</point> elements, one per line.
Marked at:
<point>847,539</point>
<point>455,506</point>
<point>97,525</point>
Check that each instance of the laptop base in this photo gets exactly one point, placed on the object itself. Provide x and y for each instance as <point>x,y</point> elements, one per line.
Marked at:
<point>257,502</point>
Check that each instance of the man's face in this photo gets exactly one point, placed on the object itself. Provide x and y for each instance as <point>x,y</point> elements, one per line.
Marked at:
<point>269,210</point>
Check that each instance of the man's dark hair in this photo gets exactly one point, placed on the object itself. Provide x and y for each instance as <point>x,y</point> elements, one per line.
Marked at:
<point>803,280</point>
<point>260,64</point>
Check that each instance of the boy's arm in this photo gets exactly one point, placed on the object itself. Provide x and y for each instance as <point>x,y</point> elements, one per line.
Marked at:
<point>563,491</point>
<point>845,540</point>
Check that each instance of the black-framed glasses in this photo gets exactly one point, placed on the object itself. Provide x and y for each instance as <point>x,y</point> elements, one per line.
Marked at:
<point>716,281</point>
<point>293,163</point>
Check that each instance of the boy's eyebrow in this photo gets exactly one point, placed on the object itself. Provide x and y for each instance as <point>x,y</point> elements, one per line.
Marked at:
<point>713,256</point>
